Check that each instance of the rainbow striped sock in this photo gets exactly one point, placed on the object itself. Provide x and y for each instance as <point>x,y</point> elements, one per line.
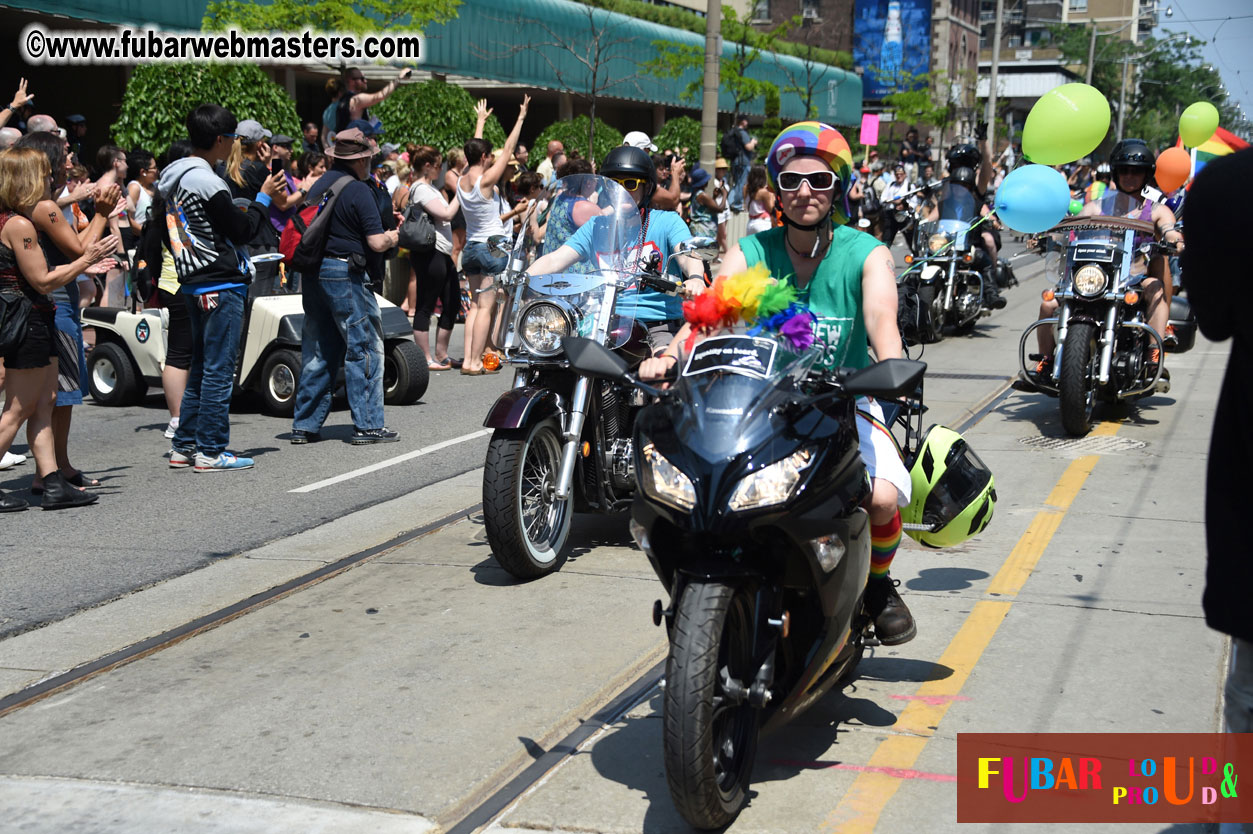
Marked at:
<point>884,539</point>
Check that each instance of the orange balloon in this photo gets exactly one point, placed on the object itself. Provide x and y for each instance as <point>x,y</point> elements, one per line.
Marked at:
<point>1174,166</point>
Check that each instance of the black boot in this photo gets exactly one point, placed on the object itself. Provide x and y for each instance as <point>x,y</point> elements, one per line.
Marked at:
<point>59,494</point>
<point>893,624</point>
<point>11,504</point>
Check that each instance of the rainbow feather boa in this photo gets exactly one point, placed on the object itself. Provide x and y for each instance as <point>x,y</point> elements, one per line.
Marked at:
<point>756,299</point>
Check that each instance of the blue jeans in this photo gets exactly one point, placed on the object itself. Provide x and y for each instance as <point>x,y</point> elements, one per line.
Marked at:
<point>205,417</point>
<point>342,325</point>
<point>739,178</point>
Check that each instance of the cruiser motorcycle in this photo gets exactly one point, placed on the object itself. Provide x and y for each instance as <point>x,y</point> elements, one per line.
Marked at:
<point>750,512</point>
<point>1103,336</point>
<point>954,268</point>
<point>561,440</point>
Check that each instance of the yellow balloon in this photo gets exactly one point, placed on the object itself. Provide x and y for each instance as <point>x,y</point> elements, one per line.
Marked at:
<point>1198,123</point>
<point>1065,124</point>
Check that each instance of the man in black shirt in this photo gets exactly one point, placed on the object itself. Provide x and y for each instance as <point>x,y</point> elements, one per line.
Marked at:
<point>342,321</point>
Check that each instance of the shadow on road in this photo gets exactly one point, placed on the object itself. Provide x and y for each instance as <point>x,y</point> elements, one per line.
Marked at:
<point>945,579</point>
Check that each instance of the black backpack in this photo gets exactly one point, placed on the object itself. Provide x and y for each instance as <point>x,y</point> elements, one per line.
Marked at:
<point>731,144</point>
<point>307,257</point>
<point>151,246</point>
<point>909,312</point>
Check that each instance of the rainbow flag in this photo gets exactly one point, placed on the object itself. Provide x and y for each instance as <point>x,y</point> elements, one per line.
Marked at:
<point>1222,143</point>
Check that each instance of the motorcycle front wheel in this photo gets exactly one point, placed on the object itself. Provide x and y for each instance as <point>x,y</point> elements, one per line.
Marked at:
<point>1077,390</point>
<point>710,731</point>
<point>527,526</point>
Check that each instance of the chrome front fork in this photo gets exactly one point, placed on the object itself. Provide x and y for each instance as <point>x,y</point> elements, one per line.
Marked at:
<point>1107,344</point>
<point>573,431</point>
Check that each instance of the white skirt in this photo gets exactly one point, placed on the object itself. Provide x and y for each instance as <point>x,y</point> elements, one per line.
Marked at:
<point>879,452</point>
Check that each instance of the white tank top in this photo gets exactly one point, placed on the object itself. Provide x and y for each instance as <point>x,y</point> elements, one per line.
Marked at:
<point>482,213</point>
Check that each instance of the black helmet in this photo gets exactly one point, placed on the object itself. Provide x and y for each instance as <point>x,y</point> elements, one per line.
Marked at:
<point>627,161</point>
<point>964,156</point>
<point>963,175</point>
<point>1132,153</point>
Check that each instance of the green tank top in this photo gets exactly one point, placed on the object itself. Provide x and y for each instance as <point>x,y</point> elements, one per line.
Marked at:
<point>834,292</point>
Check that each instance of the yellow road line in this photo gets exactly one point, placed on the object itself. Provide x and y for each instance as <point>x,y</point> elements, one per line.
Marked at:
<point>860,808</point>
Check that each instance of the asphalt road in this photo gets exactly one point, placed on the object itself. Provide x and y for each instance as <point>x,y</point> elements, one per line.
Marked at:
<point>152,523</point>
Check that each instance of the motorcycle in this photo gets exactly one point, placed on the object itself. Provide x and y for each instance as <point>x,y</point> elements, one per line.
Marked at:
<point>1103,336</point>
<point>750,512</point>
<point>561,441</point>
<point>951,280</point>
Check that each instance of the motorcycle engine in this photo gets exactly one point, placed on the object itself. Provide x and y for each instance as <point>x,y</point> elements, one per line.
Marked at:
<point>622,463</point>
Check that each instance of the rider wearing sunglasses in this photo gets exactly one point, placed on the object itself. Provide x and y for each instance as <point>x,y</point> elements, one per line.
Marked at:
<point>848,280</point>
<point>662,231</point>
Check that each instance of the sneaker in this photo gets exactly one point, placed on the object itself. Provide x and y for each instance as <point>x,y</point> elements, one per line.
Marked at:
<point>893,624</point>
<point>181,458</point>
<point>300,436</point>
<point>222,463</point>
<point>362,437</point>
<point>171,428</point>
<point>1170,340</point>
<point>10,460</point>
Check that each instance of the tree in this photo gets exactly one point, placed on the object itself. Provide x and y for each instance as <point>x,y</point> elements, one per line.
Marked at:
<point>807,81</point>
<point>159,96</point>
<point>359,17</point>
<point>680,132</point>
<point>572,133</point>
<point>587,62</point>
<point>676,60</point>
<point>434,113</point>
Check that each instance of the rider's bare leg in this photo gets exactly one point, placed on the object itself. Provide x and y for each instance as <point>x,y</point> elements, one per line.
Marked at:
<point>1155,299</point>
<point>1044,335</point>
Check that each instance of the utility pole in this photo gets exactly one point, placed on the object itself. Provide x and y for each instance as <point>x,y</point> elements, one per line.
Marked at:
<point>1091,55</point>
<point>709,101</point>
<point>990,114</point>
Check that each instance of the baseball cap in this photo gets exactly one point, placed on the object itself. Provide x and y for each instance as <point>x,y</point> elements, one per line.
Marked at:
<point>639,139</point>
<point>389,148</point>
<point>251,130</point>
<point>281,139</point>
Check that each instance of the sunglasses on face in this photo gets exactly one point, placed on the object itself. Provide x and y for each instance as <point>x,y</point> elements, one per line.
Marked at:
<point>229,135</point>
<point>818,180</point>
<point>629,183</point>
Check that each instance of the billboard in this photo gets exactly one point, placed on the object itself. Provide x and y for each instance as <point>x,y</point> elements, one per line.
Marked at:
<point>891,44</point>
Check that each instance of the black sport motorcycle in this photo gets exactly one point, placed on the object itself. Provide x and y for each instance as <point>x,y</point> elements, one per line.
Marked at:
<point>750,512</point>
<point>1103,336</point>
<point>561,440</point>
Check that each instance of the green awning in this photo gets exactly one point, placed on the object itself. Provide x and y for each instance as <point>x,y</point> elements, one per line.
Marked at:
<point>175,15</point>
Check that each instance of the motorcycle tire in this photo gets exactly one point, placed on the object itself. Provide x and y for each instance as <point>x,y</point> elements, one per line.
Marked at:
<point>1077,389</point>
<point>932,305</point>
<point>527,528</point>
<point>710,737</point>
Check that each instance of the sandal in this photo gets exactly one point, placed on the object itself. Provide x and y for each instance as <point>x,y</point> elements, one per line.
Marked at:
<point>479,372</point>
<point>455,363</point>
<point>435,366</point>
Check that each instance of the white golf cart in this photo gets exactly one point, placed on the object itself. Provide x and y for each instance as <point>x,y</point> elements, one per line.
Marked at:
<point>130,351</point>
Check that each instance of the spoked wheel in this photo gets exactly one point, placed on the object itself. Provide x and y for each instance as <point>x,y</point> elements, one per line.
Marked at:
<point>1077,390</point>
<point>527,526</point>
<point>710,729</point>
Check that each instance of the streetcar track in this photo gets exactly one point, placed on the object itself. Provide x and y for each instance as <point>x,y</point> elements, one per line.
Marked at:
<point>144,648</point>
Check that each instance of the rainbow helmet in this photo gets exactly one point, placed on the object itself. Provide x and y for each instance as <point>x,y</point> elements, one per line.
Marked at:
<point>826,143</point>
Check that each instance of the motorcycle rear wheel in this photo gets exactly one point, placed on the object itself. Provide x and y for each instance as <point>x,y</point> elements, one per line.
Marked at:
<point>1077,389</point>
<point>710,736</point>
<point>528,528</point>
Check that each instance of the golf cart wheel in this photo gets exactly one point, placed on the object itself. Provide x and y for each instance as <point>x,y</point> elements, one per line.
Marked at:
<point>405,374</point>
<point>279,377</point>
<point>112,377</point>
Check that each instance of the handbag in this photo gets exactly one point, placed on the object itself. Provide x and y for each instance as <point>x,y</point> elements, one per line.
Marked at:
<point>15,310</point>
<point>416,232</point>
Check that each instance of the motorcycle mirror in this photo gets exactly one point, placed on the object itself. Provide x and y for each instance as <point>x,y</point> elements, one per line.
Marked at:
<point>498,245</point>
<point>592,358</point>
<point>888,379</point>
<point>701,248</point>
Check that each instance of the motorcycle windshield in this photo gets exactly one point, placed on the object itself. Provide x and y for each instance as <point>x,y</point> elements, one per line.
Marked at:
<point>952,230</point>
<point>593,297</point>
<point>728,386</point>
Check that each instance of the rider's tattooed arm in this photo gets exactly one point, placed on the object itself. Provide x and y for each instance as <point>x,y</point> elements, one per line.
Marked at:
<point>878,294</point>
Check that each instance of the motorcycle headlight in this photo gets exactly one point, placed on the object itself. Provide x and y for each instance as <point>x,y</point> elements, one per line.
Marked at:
<point>937,242</point>
<point>1090,280</point>
<point>771,484</point>
<point>665,482</point>
<point>542,328</point>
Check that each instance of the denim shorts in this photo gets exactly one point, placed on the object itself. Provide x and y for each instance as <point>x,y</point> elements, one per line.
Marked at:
<point>476,259</point>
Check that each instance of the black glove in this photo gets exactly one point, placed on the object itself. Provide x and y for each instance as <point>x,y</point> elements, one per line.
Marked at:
<point>981,131</point>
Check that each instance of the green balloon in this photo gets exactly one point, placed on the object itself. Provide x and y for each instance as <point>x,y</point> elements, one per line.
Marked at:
<point>1076,206</point>
<point>1198,123</point>
<point>1066,123</point>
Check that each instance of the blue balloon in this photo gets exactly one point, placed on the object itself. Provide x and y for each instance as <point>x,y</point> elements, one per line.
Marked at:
<point>1033,199</point>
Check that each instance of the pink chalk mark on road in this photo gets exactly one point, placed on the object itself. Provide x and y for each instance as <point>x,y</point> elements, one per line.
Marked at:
<point>932,700</point>
<point>896,772</point>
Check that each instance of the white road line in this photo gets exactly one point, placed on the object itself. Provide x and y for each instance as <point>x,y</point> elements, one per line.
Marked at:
<point>383,464</point>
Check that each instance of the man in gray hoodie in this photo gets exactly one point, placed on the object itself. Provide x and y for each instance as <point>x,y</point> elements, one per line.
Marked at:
<point>206,236</point>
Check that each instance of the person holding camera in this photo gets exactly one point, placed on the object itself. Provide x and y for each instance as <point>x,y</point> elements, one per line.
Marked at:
<point>342,322</point>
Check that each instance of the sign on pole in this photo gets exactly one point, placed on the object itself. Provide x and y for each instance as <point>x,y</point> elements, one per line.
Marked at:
<point>869,129</point>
